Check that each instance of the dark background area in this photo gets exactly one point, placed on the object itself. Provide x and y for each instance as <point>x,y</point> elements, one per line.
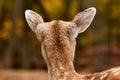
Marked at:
<point>97,49</point>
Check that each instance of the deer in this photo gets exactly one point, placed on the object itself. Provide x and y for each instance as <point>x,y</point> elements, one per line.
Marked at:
<point>58,42</point>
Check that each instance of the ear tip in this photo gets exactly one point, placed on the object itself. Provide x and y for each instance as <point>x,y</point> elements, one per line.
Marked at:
<point>28,11</point>
<point>92,9</point>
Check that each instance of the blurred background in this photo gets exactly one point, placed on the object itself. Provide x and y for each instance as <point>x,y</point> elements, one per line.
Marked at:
<point>97,49</point>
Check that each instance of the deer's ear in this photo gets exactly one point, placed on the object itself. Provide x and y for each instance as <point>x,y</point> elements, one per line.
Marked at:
<point>84,19</point>
<point>33,19</point>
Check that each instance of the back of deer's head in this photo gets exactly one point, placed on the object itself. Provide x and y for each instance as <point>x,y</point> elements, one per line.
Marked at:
<point>57,36</point>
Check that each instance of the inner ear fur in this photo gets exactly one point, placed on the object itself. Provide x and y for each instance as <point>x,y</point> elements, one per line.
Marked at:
<point>84,19</point>
<point>33,19</point>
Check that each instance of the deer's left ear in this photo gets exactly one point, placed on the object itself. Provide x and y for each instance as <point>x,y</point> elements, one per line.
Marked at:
<point>84,19</point>
<point>33,19</point>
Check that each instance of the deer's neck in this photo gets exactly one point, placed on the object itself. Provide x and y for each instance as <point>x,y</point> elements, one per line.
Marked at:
<point>60,65</point>
<point>61,70</point>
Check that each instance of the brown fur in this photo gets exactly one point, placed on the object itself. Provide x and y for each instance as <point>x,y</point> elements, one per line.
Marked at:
<point>58,46</point>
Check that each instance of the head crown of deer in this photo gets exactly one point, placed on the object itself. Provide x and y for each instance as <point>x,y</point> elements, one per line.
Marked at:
<point>58,45</point>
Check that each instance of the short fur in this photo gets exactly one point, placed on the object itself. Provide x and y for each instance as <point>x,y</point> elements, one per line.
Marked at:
<point>58,45</point>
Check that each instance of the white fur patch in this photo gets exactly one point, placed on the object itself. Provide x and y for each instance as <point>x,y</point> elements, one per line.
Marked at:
<point>116,73</point>
<point>92,78</point>
<point>102,77</point>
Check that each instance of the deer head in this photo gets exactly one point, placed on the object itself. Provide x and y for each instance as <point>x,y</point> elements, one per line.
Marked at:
<point>60,33</point>
<point>58,38</point>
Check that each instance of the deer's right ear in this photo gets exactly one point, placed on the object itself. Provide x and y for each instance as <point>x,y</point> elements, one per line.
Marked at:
<point>33,19</point>
<point>84,19</point>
